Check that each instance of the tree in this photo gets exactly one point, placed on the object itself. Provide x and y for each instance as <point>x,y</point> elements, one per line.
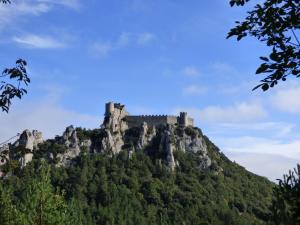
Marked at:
<point>8,91</point>
<point>9,214</point>
<point>276,23</point>
<point>42,204</point>
<point>286,203</point>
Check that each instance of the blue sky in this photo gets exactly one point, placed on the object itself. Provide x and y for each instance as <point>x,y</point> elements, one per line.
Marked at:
<point>156,57</point>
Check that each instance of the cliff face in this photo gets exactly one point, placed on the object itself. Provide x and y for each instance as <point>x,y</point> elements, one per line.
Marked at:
<point>113,137</point>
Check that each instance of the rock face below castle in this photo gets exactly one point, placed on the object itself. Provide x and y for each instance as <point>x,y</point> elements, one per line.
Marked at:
<point>119,132</point>
<point>174,132</point>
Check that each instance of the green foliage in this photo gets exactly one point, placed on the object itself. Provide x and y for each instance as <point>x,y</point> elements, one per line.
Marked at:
<point>34,201</point>
<point>8,91</point>
<point>118,189</point>
<point>5,1</point>
<point>286,202</point>
<point>8,211</point>
<point>276,23</point>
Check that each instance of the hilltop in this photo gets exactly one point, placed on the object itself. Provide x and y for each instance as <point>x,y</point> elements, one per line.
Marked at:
<point>141,170</point>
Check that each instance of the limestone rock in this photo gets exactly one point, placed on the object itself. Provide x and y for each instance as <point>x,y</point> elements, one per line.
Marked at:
<point>4,154</point>
<point>70,140</point>
<point>29,140</point>
<point>114,119</point>
<point>167,145</point>
<point>112,142</point>
<point>191,143</point>
<point>26,159</point>
<point>146,135</point>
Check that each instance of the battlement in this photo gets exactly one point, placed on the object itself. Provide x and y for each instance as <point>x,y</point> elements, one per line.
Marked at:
<point>152,120</point>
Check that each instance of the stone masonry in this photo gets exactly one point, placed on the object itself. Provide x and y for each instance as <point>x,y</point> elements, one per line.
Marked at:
<point>116,110</point>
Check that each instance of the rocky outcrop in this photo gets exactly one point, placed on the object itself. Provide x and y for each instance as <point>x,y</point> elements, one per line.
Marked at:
<point>112,142</point>
<point>114,126</point>
<point>146,135</point>
<point>167,144</point>
<point>114,119</point>
<point>186,140</point>
<point>71,142</point>
<point>28,140</point>
<point>4,154</point>
<point>114,137</point>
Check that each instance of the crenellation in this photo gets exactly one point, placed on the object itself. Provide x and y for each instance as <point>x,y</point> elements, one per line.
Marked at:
<point>117,110</point>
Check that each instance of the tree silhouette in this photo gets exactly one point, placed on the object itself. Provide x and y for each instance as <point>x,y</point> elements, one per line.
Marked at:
<point>9,90</point>
<point>276,23</point>
<point>286,203</point>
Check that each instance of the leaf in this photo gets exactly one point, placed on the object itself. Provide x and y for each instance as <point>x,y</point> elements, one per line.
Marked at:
<point>263,67</point>
<point>265,87</point>
<point>257,87</point>
<point>264,58</point>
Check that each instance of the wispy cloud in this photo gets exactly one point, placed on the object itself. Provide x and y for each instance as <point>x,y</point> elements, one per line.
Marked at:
<point>241,112</point>
<point>36,41</point>
<point>73,4</point>
<point>287,99</point>
<point>45,114</point>
<point>194,90</point>
<point>10,14</point>
<point>103,48</point>
<point>191,71</point>
<point>255,144</point>
<point>145,38</point>
<point>276,129</point>
<point>124,39</point>
<point>223,68</point>
<point>237,113</point>
<point>267,165</point>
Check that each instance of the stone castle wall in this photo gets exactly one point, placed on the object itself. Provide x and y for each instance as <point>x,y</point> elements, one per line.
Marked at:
<point>135,121</point>
<point>155,120</point>
<point>116,114</point>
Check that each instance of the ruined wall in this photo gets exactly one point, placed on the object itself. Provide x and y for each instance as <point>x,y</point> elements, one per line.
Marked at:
<point>190,122</point>
<point>155,120</point>
<point>134,121</point>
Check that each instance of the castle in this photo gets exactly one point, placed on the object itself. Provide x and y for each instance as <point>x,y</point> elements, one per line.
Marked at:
<point>118,111</point>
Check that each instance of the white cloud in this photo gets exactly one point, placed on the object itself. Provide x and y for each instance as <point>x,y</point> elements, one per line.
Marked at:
<point>194,90</point>
<point>124,39</point>
<point>252,144</point>
<point>223,68</point>
<point>145,38</point>
<point>241,112</point>
<point>11,14</point>
<point>267,165</point>
<point>191,71</point>
<point>278,129</point>
<point>36,41</point>
<point>287,99</point>
<point>101,48</point>
<point>73,4</point>
<point>45,114</point>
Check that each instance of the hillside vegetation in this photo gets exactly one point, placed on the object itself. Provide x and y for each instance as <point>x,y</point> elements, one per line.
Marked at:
<point>135,188</point>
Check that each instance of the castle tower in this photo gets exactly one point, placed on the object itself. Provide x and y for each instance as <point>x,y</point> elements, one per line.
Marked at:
<point>109,108</point>
<point>183,119</point>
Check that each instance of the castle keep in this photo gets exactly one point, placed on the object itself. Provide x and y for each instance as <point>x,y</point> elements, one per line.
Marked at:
<point>116,110</point>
